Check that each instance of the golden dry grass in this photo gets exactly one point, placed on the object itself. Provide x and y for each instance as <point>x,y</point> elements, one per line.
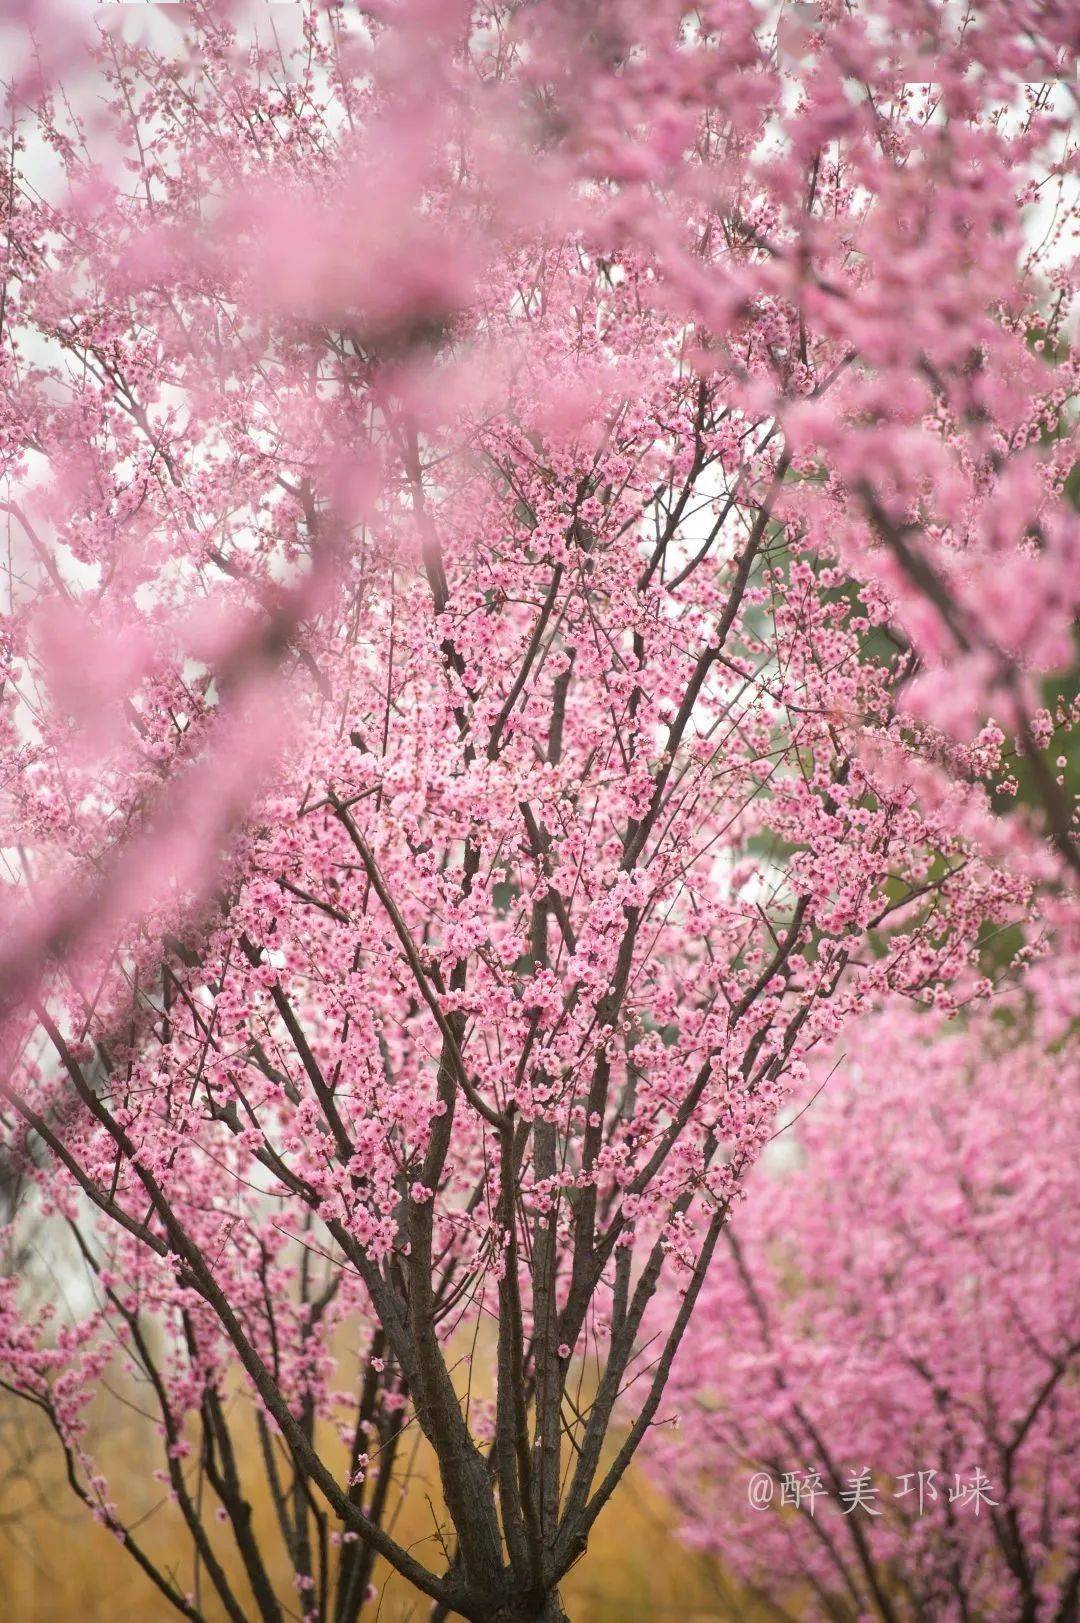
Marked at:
<point>58,1565</point>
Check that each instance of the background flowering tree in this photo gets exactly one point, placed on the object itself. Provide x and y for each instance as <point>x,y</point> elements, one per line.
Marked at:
<point>495,675</point>
<point>937,1161</point>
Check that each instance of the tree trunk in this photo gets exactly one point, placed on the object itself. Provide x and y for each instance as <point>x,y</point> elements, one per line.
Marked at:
<point>518,1609</point>
<point>550,1610</point>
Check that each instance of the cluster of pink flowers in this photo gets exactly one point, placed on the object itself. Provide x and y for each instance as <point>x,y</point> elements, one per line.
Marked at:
<point>904,1300</point>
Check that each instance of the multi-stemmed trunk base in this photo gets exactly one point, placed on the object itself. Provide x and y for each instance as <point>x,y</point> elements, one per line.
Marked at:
<point>550,1611</point>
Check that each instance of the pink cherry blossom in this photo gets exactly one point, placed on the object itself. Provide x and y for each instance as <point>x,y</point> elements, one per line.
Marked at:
<point>539,582</point>
<point>906,1296</point>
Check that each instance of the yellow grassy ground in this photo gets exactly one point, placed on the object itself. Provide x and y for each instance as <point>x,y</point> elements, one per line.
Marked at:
<point>57,1565</point>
